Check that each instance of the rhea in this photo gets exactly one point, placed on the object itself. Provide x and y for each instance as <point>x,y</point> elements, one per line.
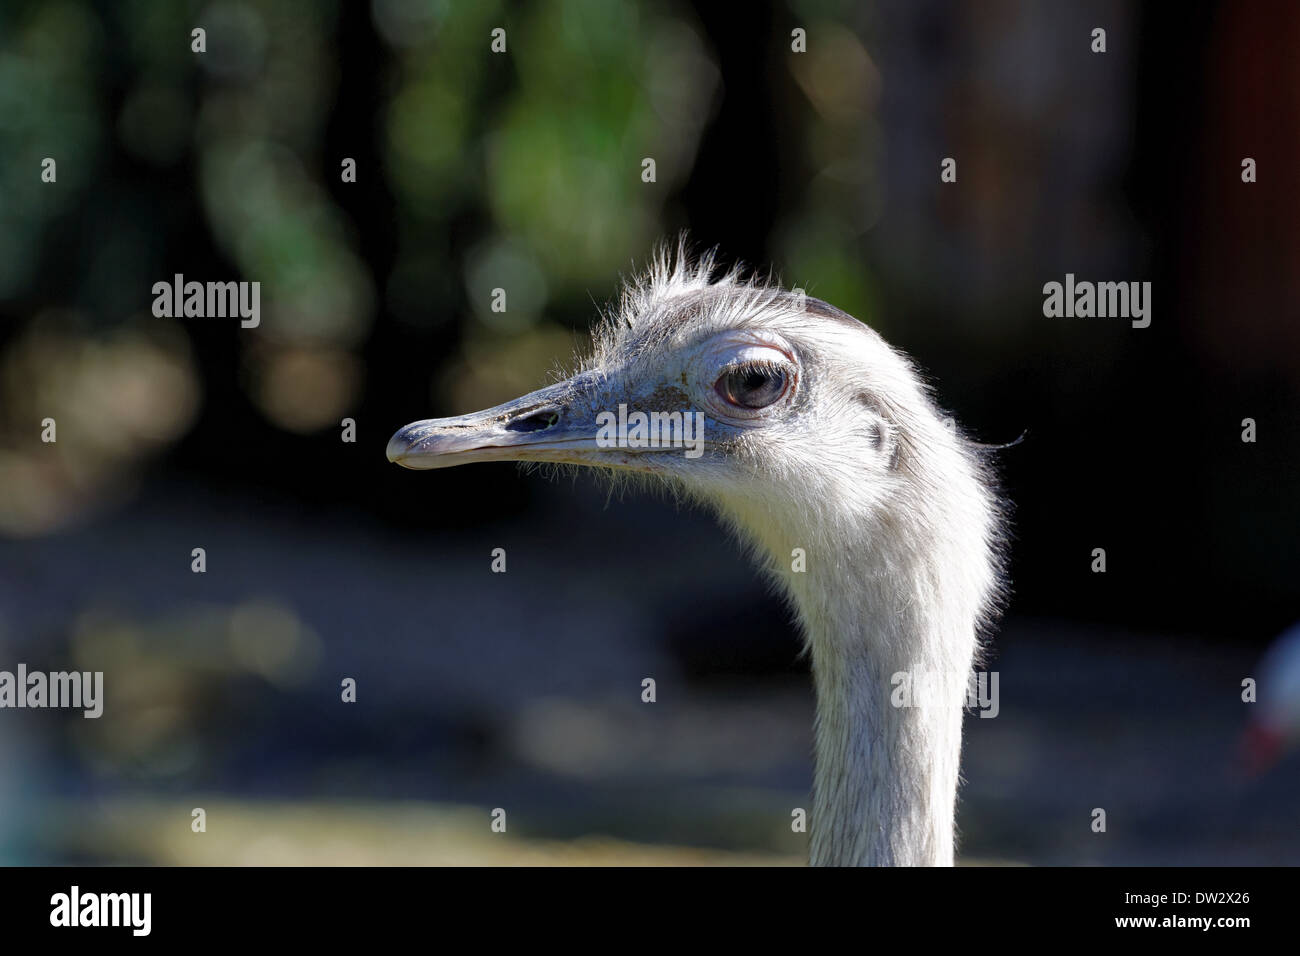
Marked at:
<point>866,507</point>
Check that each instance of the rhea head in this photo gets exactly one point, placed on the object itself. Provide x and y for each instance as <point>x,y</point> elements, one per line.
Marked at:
<point>818,439</point>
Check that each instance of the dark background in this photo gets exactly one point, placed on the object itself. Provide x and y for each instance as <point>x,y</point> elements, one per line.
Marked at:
<point>522,170</point>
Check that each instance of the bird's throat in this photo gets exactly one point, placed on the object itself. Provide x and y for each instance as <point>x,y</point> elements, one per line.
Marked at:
<point>891,672</point>
<point>886,611</point>
<point>885,780</point>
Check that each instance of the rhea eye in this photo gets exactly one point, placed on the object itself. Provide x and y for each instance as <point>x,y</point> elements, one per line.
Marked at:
<point>752,386</point>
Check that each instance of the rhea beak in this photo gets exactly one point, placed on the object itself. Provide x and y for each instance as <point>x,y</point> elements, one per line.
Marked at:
<point>548,425</point>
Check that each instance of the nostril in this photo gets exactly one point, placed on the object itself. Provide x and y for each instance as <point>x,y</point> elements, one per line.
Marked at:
<point>534,422</point>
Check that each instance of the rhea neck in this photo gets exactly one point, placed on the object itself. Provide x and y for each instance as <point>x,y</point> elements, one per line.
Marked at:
<point>888,726</point>
<point>885,622</point>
